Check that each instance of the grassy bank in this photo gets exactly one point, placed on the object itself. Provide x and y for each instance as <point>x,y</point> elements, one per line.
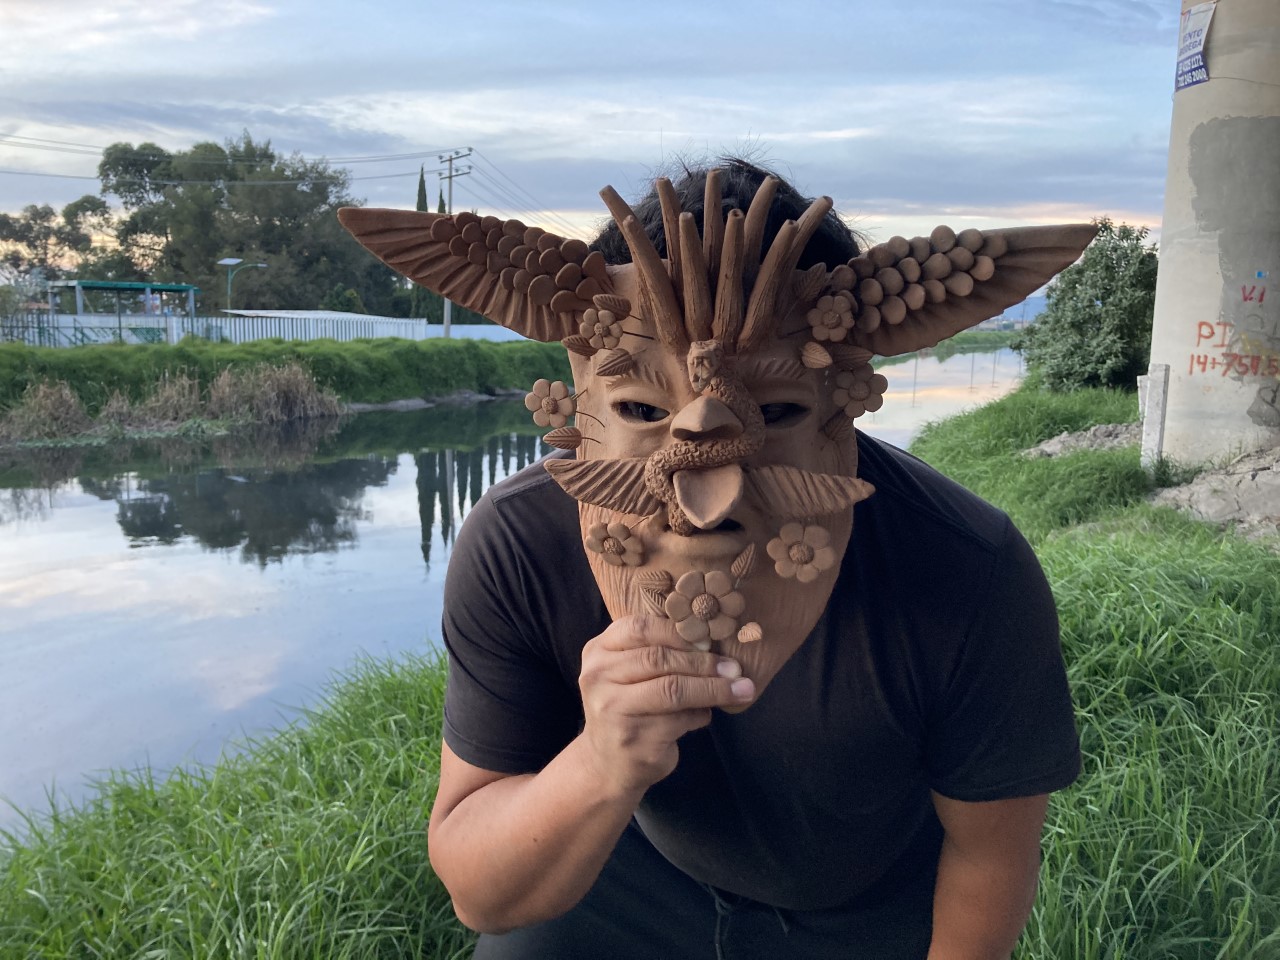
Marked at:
<point>366,371</point>
<point>310,844</point>
<point>1169,844</point>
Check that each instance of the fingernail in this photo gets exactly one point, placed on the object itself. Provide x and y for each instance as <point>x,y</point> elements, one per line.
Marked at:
<point>743,689</point>
<point>729,669</point>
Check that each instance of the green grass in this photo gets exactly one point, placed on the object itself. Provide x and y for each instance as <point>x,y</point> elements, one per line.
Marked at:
<point>311,844</point>
<point>1168,846</point>
<point>369,371</point>
<point>981,449</point>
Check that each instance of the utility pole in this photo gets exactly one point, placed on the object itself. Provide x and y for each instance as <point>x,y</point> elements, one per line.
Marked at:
<point>448,174</point>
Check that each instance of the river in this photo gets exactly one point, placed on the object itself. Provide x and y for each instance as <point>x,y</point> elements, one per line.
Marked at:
<point>160,601</point>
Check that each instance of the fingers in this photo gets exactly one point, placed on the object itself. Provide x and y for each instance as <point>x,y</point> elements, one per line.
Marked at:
<point>628,633</point>
<point>646,663</point>
<point>676,693</point>
<point>640,666</point>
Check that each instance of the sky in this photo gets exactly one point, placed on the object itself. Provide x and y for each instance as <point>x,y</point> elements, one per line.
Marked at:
<point>908,114</point>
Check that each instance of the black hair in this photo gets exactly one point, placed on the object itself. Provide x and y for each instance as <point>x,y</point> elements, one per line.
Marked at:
<point>832,244</point>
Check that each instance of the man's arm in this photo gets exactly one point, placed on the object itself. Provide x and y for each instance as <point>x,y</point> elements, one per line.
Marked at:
<point>516,850</point>
<point>987,875</point>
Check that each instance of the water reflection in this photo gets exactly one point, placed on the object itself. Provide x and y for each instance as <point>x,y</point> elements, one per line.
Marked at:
<point>271,493</point>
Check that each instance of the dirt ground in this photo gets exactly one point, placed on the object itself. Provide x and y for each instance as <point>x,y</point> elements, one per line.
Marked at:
<point>1244,493</point>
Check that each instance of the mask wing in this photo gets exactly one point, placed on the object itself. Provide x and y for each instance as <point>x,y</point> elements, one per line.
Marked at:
<point>911,294</point>
<point>528,280</point>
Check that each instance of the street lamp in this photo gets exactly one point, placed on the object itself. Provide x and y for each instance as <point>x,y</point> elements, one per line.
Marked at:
<point>234,265</point>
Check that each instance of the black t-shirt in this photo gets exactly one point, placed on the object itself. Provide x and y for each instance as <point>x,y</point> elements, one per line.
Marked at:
<point>936,666</point>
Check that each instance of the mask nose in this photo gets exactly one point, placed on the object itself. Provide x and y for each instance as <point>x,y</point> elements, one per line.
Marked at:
<point>706,419</point>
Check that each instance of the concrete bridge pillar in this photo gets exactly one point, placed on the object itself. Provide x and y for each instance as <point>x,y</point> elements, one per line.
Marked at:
<point>1217,314</point>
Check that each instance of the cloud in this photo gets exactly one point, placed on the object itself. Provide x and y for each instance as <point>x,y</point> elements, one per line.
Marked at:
<point>32,29</point>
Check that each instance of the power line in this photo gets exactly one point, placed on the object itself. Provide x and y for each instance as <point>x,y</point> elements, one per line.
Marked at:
<point>537,204</point>
<point>522,208</point>
<point>68,146</point>
<point>211,183</point>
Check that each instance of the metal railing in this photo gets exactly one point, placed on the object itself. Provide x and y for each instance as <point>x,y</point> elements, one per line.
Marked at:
<point>44,329</point>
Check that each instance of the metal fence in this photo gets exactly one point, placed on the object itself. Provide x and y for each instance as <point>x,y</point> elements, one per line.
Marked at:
<point>43,329</point>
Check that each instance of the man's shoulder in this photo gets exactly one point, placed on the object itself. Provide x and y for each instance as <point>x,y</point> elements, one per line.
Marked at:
<point>912,499</point>
<point>527,513</point>
<point>530,484</point>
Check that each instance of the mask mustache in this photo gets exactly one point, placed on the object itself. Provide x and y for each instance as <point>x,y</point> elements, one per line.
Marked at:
<point>787,493</point>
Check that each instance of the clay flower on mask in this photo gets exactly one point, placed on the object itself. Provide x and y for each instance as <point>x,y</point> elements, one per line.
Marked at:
<point>615,543</point>
<point>801,552</point>
<point>831,318</point>
<point>550,403</point>
<point>604,331</point>
<point>705,607</point>
<point>860,390</point>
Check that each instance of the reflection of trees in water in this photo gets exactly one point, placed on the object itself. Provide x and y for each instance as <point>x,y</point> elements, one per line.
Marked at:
<point>232,493</point>
<point>39,466</point>
<point>267,514</point>
<point>25,503</point>
<point>283,445</point>
<point>451,482</point>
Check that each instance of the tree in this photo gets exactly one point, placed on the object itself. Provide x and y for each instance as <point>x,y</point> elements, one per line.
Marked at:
<point>39,241</point>
<point>186,210</point>
<point>1096,327</point>
<point>422,189</point>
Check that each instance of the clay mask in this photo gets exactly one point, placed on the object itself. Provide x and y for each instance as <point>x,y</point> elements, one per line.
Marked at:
<point>688,461</point>
<point>714,390</point>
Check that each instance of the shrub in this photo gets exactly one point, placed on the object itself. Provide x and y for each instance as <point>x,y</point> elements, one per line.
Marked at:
<point>46,411</point>
<point>1096,328</point>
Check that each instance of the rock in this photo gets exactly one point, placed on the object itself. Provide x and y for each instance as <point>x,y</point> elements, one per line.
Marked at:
<point>1245,494</point>
<point>1105,436</point>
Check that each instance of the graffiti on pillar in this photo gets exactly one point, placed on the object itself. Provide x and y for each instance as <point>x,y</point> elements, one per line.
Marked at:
<point>1244,346</point>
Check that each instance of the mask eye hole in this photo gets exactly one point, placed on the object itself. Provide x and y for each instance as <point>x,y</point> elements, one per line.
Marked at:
<point>782,414</point>
<point>636,412</point>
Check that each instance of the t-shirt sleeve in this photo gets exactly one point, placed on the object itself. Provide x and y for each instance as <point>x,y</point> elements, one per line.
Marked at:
<point>507,705</point>
<point>1005,726</point>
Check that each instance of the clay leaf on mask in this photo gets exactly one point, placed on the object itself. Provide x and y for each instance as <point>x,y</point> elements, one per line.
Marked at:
<point>654,587</point>
<point>795,494</point>
<point>613,484</point>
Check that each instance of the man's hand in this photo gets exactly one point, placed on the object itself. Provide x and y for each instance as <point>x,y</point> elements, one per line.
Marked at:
<point>516,850</point>
<point>643,687</point>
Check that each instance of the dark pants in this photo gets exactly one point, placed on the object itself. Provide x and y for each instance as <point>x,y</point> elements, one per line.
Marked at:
<point>643,908</point>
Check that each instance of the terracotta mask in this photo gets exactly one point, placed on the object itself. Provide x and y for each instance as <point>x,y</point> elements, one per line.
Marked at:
<point>714,390</point>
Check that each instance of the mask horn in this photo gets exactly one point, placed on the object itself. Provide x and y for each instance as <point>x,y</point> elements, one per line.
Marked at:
<point>910,294</point>
<point>655,283</point>
<point>528,280</point>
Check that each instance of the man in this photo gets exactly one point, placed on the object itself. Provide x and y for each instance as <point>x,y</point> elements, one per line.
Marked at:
<point>736,681</point>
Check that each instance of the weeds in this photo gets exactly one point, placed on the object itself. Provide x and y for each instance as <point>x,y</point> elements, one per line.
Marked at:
<point>46,411</point>
<point>178,405</point>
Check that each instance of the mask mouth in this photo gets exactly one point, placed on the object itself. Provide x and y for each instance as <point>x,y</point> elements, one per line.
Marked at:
<point>726,525</point>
